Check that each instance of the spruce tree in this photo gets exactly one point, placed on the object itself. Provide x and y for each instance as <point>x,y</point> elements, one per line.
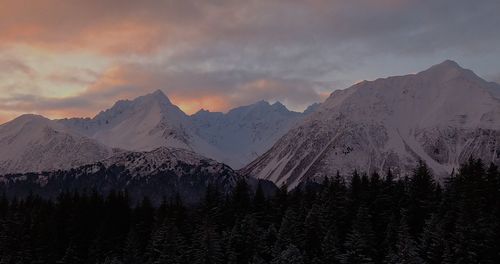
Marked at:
<point>290,255</point>
<point>421,198</point>
<point>359,246</point>
<point>207,245</point>
<point>330,248</point>
<point>432,241</point>
<point>405,250</point>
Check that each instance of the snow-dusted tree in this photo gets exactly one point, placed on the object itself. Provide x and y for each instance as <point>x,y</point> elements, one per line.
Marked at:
<point>291,255</point>
<point>359,246</point>
<point>405,250</point>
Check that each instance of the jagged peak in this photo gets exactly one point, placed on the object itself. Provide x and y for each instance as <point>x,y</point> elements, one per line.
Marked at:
<point>206,113</point>
<point>203,110</point>
<point>278,105</point>
<point>311,108</point>
<point>157,97</point>
<point>261,103</point>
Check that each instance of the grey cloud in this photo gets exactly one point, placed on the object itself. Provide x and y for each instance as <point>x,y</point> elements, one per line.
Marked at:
<point>74,76</point>
<point>297,51</point>
<point>234,86</point>
<point>11,65</point>
<point>30,103</point>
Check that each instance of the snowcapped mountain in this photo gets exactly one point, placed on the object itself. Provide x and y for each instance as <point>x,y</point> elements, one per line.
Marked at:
<point>161,173</point>
<point>34,143</point>
<point>151,121</point>
<point>145,123</point>
<point>442,115</point>
<point>246,132</point>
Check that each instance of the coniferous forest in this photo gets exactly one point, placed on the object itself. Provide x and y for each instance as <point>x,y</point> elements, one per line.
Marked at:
<point>367,219</point>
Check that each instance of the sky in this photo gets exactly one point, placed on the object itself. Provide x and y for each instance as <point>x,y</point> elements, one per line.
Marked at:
<point>67,58</point>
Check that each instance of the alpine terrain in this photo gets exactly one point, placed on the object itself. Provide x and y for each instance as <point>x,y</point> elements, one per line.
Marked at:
<point>151,121</point>
<point>34,143</point>
<point>442,116</point>
<point>161,173</point>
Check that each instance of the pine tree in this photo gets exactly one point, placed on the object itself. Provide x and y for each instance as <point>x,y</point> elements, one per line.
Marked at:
<point>70,256</point>
<point>330,248</point>
<point>291,231</point>
<point>259,199</point>
<point>167,246</point>
<point>421,198</point>
<point>207,246</point>
<point>432,242</point>
<point>359,246</point>
<point>241,198</point>
<point>140,233</point>
<point>405,250</point>
<point>242,241</point>
<point>291,255</point>
<point>265,249</point>
<point>313,232</point>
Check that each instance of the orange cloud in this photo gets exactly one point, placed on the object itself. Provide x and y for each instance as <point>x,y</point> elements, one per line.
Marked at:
<point>108,27</point>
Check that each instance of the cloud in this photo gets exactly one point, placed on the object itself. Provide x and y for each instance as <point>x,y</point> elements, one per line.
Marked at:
<point>26,103</point>
<point>74,76</point>
<point>10,66</point>
<point>124,26</point>
<point>219,54</point>
<point>216,90</point>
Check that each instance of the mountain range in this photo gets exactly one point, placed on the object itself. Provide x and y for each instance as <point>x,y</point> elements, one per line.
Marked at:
<point>443,116</point>
<point>33,143</point>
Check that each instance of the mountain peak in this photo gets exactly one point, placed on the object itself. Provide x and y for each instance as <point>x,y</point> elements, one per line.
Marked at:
<point>445,66</point>
<point>158,95</point>
<point>310,109</point>
<point>448,64</point>
<point>158,92</point>
<point>278,105</point>
<point>447,70</point>
<point>262,103</point>
<point>30,118</point>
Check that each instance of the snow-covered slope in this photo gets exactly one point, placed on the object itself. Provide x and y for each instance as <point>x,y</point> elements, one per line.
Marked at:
<point>141,164</point>
<point>144,123</point>
<point>34,143</point>
<point>151,121</point>
<point>442,115</point>
<point>158,174</point>
<point>246,132</point>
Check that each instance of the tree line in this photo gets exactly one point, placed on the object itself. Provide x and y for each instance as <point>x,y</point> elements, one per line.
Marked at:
<point>366,219</point>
